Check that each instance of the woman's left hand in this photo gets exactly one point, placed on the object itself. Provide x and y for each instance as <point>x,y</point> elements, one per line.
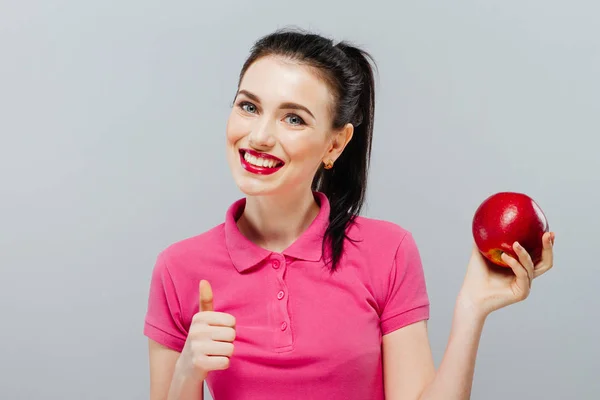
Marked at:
<point>487,287</point>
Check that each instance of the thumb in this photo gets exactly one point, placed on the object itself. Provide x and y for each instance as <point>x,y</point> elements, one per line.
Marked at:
<point>206,296</point>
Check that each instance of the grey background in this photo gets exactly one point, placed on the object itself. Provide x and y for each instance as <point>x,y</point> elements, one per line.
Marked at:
<point>112,116</point>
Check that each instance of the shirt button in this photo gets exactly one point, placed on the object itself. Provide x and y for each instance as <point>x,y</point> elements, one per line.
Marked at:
<point>283,326</point>
<point>280,294</point>
<point>275,264</point>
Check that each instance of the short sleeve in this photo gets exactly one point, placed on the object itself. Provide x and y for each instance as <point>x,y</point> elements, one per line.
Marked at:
<point>163,322</point>
<point>407,300</point>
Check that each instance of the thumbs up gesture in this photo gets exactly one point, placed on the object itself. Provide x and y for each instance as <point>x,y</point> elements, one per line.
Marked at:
<point>209,343</point>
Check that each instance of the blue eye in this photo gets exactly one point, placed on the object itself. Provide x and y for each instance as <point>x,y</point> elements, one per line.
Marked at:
<point>248,107</point>
<point>293,119</point>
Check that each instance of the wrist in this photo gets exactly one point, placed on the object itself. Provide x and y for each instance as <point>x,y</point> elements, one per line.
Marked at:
<point>468,309</point>
<point>185,370</point>
<point>186,383</point>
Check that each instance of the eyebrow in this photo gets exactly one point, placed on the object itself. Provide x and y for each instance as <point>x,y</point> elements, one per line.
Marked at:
<point>288,105</point>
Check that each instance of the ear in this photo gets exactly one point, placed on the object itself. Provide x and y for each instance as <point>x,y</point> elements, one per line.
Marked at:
<point>339,141</point>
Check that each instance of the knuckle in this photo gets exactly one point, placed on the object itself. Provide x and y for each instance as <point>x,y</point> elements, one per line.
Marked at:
<point>200,317</point>
<point>224,363</point>
<point>524,294</point>
<point>230,348</point>
<point>232,320</point>
<point>200,331</point>
<point>524,254</point>
<point>198,348</point>
<point>233,333</point>
<point>199,361</point>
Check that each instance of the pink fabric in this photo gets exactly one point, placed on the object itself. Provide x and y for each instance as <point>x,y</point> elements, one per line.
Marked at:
<point>301,332</point>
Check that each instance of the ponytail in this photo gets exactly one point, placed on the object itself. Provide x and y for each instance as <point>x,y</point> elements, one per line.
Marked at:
<point>345,185</point>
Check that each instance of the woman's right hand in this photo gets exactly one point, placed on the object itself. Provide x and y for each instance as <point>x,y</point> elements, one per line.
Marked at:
<point>209,343</point>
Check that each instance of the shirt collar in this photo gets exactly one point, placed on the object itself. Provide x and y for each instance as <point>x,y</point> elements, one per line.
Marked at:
<point>245,254</point>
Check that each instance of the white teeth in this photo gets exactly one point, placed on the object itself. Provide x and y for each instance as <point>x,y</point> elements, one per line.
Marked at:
<point>259,161</point>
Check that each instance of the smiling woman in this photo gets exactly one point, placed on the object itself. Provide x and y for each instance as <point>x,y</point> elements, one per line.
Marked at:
<point>282,115</point>
<point>311,300</point>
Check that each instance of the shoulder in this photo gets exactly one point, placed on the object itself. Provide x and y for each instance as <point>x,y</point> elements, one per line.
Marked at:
<point>383,248</point>
<point>387,249</point>
<point>190,250</point>
<point>180,265</point>
<point>378,232</point>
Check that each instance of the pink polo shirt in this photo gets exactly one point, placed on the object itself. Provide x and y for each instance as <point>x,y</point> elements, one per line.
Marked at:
<point>301,332</point>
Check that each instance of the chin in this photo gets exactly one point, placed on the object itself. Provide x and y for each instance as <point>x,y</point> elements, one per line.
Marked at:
<point>254,188</point>
<point>255,185</point>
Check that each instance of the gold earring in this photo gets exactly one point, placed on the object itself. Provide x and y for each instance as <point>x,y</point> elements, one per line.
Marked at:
<point>328,164</point>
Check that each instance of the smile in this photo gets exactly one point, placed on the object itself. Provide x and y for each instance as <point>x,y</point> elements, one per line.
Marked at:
<point>259,163</point>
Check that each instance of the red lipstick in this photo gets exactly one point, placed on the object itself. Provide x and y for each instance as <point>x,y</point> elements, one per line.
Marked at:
<point>259,163</point>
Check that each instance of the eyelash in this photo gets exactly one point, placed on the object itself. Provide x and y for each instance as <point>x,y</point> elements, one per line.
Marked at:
<point>243,104</point>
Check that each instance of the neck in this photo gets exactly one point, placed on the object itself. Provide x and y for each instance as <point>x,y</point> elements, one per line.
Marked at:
<point>275,222</point>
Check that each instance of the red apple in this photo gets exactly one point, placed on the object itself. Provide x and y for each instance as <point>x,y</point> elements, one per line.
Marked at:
<point>504,218</point>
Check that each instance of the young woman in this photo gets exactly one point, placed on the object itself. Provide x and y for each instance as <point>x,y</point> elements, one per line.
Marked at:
<point>311,300</point>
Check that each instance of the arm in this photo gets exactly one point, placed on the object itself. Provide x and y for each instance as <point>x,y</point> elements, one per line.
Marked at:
<point>454,378</point>
<point>409,371</point>
<point>408,366</point>
<point>168,379</point>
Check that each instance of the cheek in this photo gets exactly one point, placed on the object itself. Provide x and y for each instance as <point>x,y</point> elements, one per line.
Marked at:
<point>304,148</point>
<point>237,128</point>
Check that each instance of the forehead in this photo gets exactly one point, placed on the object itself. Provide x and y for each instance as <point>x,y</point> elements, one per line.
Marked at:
<point>276,79</point>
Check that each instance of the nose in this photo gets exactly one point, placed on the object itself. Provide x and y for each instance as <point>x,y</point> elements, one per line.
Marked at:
<point>261,137</point>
